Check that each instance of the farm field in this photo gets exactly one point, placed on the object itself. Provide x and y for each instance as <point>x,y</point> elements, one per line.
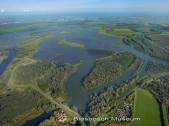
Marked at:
<point>146,108</point>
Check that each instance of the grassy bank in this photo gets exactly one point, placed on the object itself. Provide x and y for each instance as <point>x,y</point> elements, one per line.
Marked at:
<point>164,109</point>
<point>34,45</point>
<point>3,57</point>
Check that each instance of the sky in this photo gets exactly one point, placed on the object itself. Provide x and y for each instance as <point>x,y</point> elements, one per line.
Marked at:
<point>84,5</point>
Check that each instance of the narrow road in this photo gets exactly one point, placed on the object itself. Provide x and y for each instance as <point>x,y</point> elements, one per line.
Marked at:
<point>64,107</point>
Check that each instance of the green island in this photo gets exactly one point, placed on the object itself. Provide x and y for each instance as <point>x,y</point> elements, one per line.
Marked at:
<point>108,68</point>
<point>71,44</point>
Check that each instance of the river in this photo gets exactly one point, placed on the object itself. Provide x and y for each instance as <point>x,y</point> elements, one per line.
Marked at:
<point>6,62</point>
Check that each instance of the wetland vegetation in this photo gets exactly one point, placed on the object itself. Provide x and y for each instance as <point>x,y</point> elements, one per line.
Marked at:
<point>3,56</point>
<point>71,44</point>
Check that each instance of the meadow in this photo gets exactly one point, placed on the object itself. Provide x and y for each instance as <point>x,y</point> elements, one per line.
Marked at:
<point>146,108</point>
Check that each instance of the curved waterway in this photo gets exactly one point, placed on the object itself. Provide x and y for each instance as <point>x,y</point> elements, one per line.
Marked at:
<point>80,96</point>
<point>6,62</point>
<point>91,39</point>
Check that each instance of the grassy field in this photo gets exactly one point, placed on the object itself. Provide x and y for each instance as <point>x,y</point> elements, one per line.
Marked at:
<point>116,32</point>
<point>71,44</point>
<point>3,57</point>
<point>34,44</point>
<point>146,108</point>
